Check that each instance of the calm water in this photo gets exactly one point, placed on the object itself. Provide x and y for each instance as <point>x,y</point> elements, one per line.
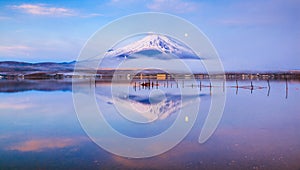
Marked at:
<point>39,129</point>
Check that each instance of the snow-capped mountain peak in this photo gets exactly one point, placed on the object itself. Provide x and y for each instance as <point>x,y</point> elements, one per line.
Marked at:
<point>155,42</point>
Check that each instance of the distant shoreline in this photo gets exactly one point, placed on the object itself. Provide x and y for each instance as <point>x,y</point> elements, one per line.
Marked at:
<point>109,75</point>
<point>11,70</point>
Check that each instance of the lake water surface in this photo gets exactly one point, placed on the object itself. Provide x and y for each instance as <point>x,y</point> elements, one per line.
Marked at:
<point>259,129</point>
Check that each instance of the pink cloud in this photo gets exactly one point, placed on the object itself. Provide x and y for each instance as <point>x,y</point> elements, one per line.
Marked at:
<point>11,50</point>
<point>14,47</point>
<point>42,9</point>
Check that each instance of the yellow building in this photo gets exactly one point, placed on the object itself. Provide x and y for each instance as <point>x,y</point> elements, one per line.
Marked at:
<point>161,76</point>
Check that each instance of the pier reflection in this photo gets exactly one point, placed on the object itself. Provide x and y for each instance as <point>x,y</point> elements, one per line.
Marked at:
<point>206,84</point>
<point>11,86</point>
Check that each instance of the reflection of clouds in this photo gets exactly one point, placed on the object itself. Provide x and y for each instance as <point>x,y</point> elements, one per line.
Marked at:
<point>18,102</point>
<point>165,159</point>
<point>31,115</point>
<point>5,136</point>
<point>36,103</point>
<point>254,141</point>
<point>229,148</point>
<point>42,144</point>
<point>15,105</point>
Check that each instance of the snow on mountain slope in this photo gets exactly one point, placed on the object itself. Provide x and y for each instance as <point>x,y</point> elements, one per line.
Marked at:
<point>155,42</point>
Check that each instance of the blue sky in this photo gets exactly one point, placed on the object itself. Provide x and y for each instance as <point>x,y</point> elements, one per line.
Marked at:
<point>248,35</point>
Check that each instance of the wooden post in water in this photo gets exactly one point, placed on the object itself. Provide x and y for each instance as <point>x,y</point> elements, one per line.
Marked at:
<point>237,87</point>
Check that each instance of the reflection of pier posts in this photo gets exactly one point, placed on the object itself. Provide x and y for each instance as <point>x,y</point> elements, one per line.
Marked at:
<point>200,85</point>
<point>269,87</point>
<point>134,86</point>
<point>251,87</point>
<point>90,82</point>
<point>210,88</point>
<point>286,88</point>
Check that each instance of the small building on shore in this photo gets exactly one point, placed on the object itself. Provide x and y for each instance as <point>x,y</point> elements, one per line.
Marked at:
<point>161,76</point>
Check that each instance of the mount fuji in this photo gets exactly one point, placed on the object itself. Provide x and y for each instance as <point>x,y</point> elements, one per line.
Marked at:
<point>152,45</point>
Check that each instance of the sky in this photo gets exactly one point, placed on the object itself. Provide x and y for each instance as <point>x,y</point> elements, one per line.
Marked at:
<point>248,35</point>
